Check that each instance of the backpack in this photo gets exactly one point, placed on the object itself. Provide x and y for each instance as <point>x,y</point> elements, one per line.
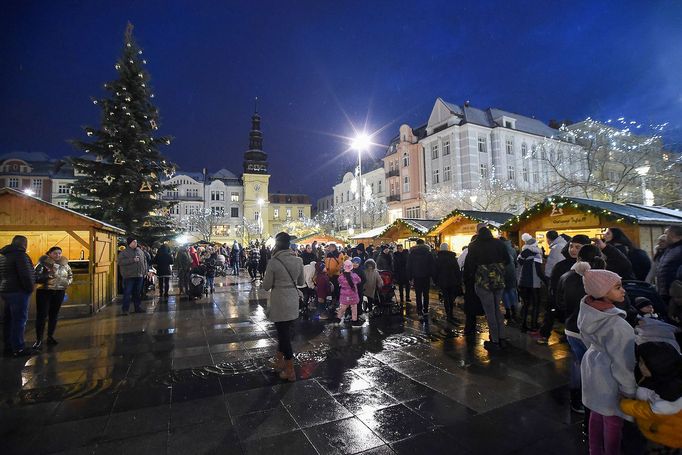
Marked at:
<point>490,276</point>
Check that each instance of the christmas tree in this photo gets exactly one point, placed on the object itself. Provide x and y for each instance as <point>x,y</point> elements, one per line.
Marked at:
<point>120,175</point>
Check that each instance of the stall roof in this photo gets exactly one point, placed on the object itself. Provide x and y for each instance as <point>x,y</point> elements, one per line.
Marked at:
<point>492,218</point>
<point>9,192</point>
<point>371,233</point>
<point>660,210</point>
<point>310,238</point>
<point>632,213</point>
<point>419,226</point>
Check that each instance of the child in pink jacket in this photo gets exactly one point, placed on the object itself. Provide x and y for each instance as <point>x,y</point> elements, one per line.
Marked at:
<point>348,286</point>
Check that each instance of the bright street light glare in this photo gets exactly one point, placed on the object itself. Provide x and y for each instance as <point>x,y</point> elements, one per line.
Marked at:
<point>361,142</point>
<point>29,192</point>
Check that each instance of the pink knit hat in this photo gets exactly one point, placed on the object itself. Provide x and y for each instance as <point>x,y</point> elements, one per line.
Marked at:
<point>597,283</point>
<point>347,265</point>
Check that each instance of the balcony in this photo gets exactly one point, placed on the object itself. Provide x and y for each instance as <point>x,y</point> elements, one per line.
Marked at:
<point>393,173</point>
<point>393,198</point>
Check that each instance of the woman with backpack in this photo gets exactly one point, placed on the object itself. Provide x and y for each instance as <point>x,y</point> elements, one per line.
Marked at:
<point>485,263</point>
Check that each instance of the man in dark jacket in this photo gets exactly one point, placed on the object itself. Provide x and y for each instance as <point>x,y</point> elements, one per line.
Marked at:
<point>16,286</point>
<point>384,259</point>
<point>308,255</point>
<point>420,267</point>
<point>616,261</point>
<point>570,253</point>
<point>448,278</point>
<point>400,273</point>
<point>670,262</point>
<point>133,265</point>
<point>163,261</point>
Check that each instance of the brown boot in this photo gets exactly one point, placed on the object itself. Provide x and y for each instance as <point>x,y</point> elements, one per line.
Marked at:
<point>288,373</point>
<point>278,363</point>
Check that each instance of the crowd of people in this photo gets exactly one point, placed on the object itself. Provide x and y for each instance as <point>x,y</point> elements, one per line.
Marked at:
<point>621,311</point>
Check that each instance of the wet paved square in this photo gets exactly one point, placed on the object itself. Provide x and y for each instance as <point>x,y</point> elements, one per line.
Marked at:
<point>190,377</point>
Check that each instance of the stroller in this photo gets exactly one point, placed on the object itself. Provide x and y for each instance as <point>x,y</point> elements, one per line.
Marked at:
<point>196,285</point>
<point>387,306</point>
<point>634,289</point>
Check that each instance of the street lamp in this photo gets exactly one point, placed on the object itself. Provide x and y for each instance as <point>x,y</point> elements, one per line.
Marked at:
<point>647,196</point>
<point>347,221</point>
<point>473,199</point>
<point>361,143</point>
<point>29,192</point>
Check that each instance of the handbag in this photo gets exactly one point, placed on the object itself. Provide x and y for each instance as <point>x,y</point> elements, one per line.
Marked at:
<point>300,293</point>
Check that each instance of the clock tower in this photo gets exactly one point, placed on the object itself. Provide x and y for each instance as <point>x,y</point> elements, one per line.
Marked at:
<point>256,179</point>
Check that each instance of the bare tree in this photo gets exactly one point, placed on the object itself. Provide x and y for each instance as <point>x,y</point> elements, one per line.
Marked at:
<point>202,222</point>
<point>613,163</point>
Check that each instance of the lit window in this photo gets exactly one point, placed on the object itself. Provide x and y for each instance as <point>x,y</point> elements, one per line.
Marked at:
<point>482,146</point>
<point>447,174</point>
<point>234,197</point>
<point>288,212</point>
<point>275,213</point>
<point>434,151</point>
<point>446,148</point>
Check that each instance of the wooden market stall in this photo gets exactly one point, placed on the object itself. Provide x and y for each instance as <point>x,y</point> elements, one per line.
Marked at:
<point>405,231</point>
<point>90,246</point>
<point>573,215</point>
<point>319,238</point>
<point>457,228</point>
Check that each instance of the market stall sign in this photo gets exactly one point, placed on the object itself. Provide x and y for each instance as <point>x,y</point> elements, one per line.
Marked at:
<point>573,221</point>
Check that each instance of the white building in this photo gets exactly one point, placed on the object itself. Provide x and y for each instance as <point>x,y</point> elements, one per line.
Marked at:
<point>347,198</point>
<point>488,154</point>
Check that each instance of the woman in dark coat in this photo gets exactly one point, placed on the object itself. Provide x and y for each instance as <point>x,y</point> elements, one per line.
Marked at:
<point>262,261</point>
<point>641,264</point>
<point>448,278</point>
<point>163,261</point>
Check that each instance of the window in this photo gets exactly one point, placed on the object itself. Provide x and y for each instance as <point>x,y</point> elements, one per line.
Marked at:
<point>379,182</point>
<point>508,124</point>
<point>412,212</point>
<point>37,185</point>
<point>191,209</point>
<point>392,188</point>
<point>511,173</point>
<point>436,176</point>
<point>347,196</point>
<point>256,215</point>
<point>543,153</point>
<point>63,188</point>
<point>524,150</point>
<point>63,204</point>
<point>13,182</point>
<point>482,146</point>
<point>174,210</point>
<point>192,192</point>
<point>275,213</point>
<point>510,146</point>
<point>288,212</point>
<point>406,184</point>
<point>534,151</point>
<point>525,174</point>
<point>434,151</point>
<point>484,171</point>
<point>234,212</point>
<point>217,195</point>
<point>446,148</point>
<point>372,187</point>
<point>447,174</point>
<point>218,211</point>
<point>536,176</point>
<point>406,159</point>
<point>300,213</point>
<point>234,197</point>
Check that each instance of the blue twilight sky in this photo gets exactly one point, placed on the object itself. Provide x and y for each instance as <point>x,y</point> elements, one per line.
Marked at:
<point>319,67</point>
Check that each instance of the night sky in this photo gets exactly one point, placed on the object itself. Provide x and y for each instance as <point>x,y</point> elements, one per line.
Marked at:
<point>320,67</point>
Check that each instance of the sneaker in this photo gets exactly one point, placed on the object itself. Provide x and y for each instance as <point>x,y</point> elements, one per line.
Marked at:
<point>542,340</point>
<point>22,353</point>
<point>577,408</point>
<point>335,321</point>
<point>357,324</point>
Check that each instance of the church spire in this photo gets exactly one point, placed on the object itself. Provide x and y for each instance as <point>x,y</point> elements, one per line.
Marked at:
<point>255,159</point>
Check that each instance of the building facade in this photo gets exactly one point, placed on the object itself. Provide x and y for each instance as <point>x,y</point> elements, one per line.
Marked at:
<point>402,166</point>
<point>287,208</point>
<point>347,199</point>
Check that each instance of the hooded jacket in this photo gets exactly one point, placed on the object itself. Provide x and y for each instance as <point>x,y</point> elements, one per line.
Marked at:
<point>333,263</point>
<point>400,265</point>
<point>618,263</point>
<point>607,369</point>
<point>659,420</point>
<point>309,274</point>
<point>420,262</point>
<point>555,256</point>
<point>163,261</point>
<point>667,268</point>
<point>16,270</point>
<point>283,275</point>
<point>448,275</point>
<point>59,274</point>
<point>530,262</point>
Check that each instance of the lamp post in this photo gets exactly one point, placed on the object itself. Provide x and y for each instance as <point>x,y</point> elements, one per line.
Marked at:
<point>360,143</point>
<point>643,171</point>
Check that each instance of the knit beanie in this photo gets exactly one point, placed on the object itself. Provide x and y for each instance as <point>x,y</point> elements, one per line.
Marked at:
<point>526,237</point>
<point>129,240</point>
<point>444,247</point>
<point>347,265</point>
<point>356,260</point>
<point>597,283</point>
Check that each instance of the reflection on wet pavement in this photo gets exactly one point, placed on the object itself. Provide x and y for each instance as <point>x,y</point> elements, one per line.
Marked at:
<point>194,377</point>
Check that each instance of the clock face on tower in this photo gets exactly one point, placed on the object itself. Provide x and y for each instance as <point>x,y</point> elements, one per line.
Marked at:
<point>256,187</point>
